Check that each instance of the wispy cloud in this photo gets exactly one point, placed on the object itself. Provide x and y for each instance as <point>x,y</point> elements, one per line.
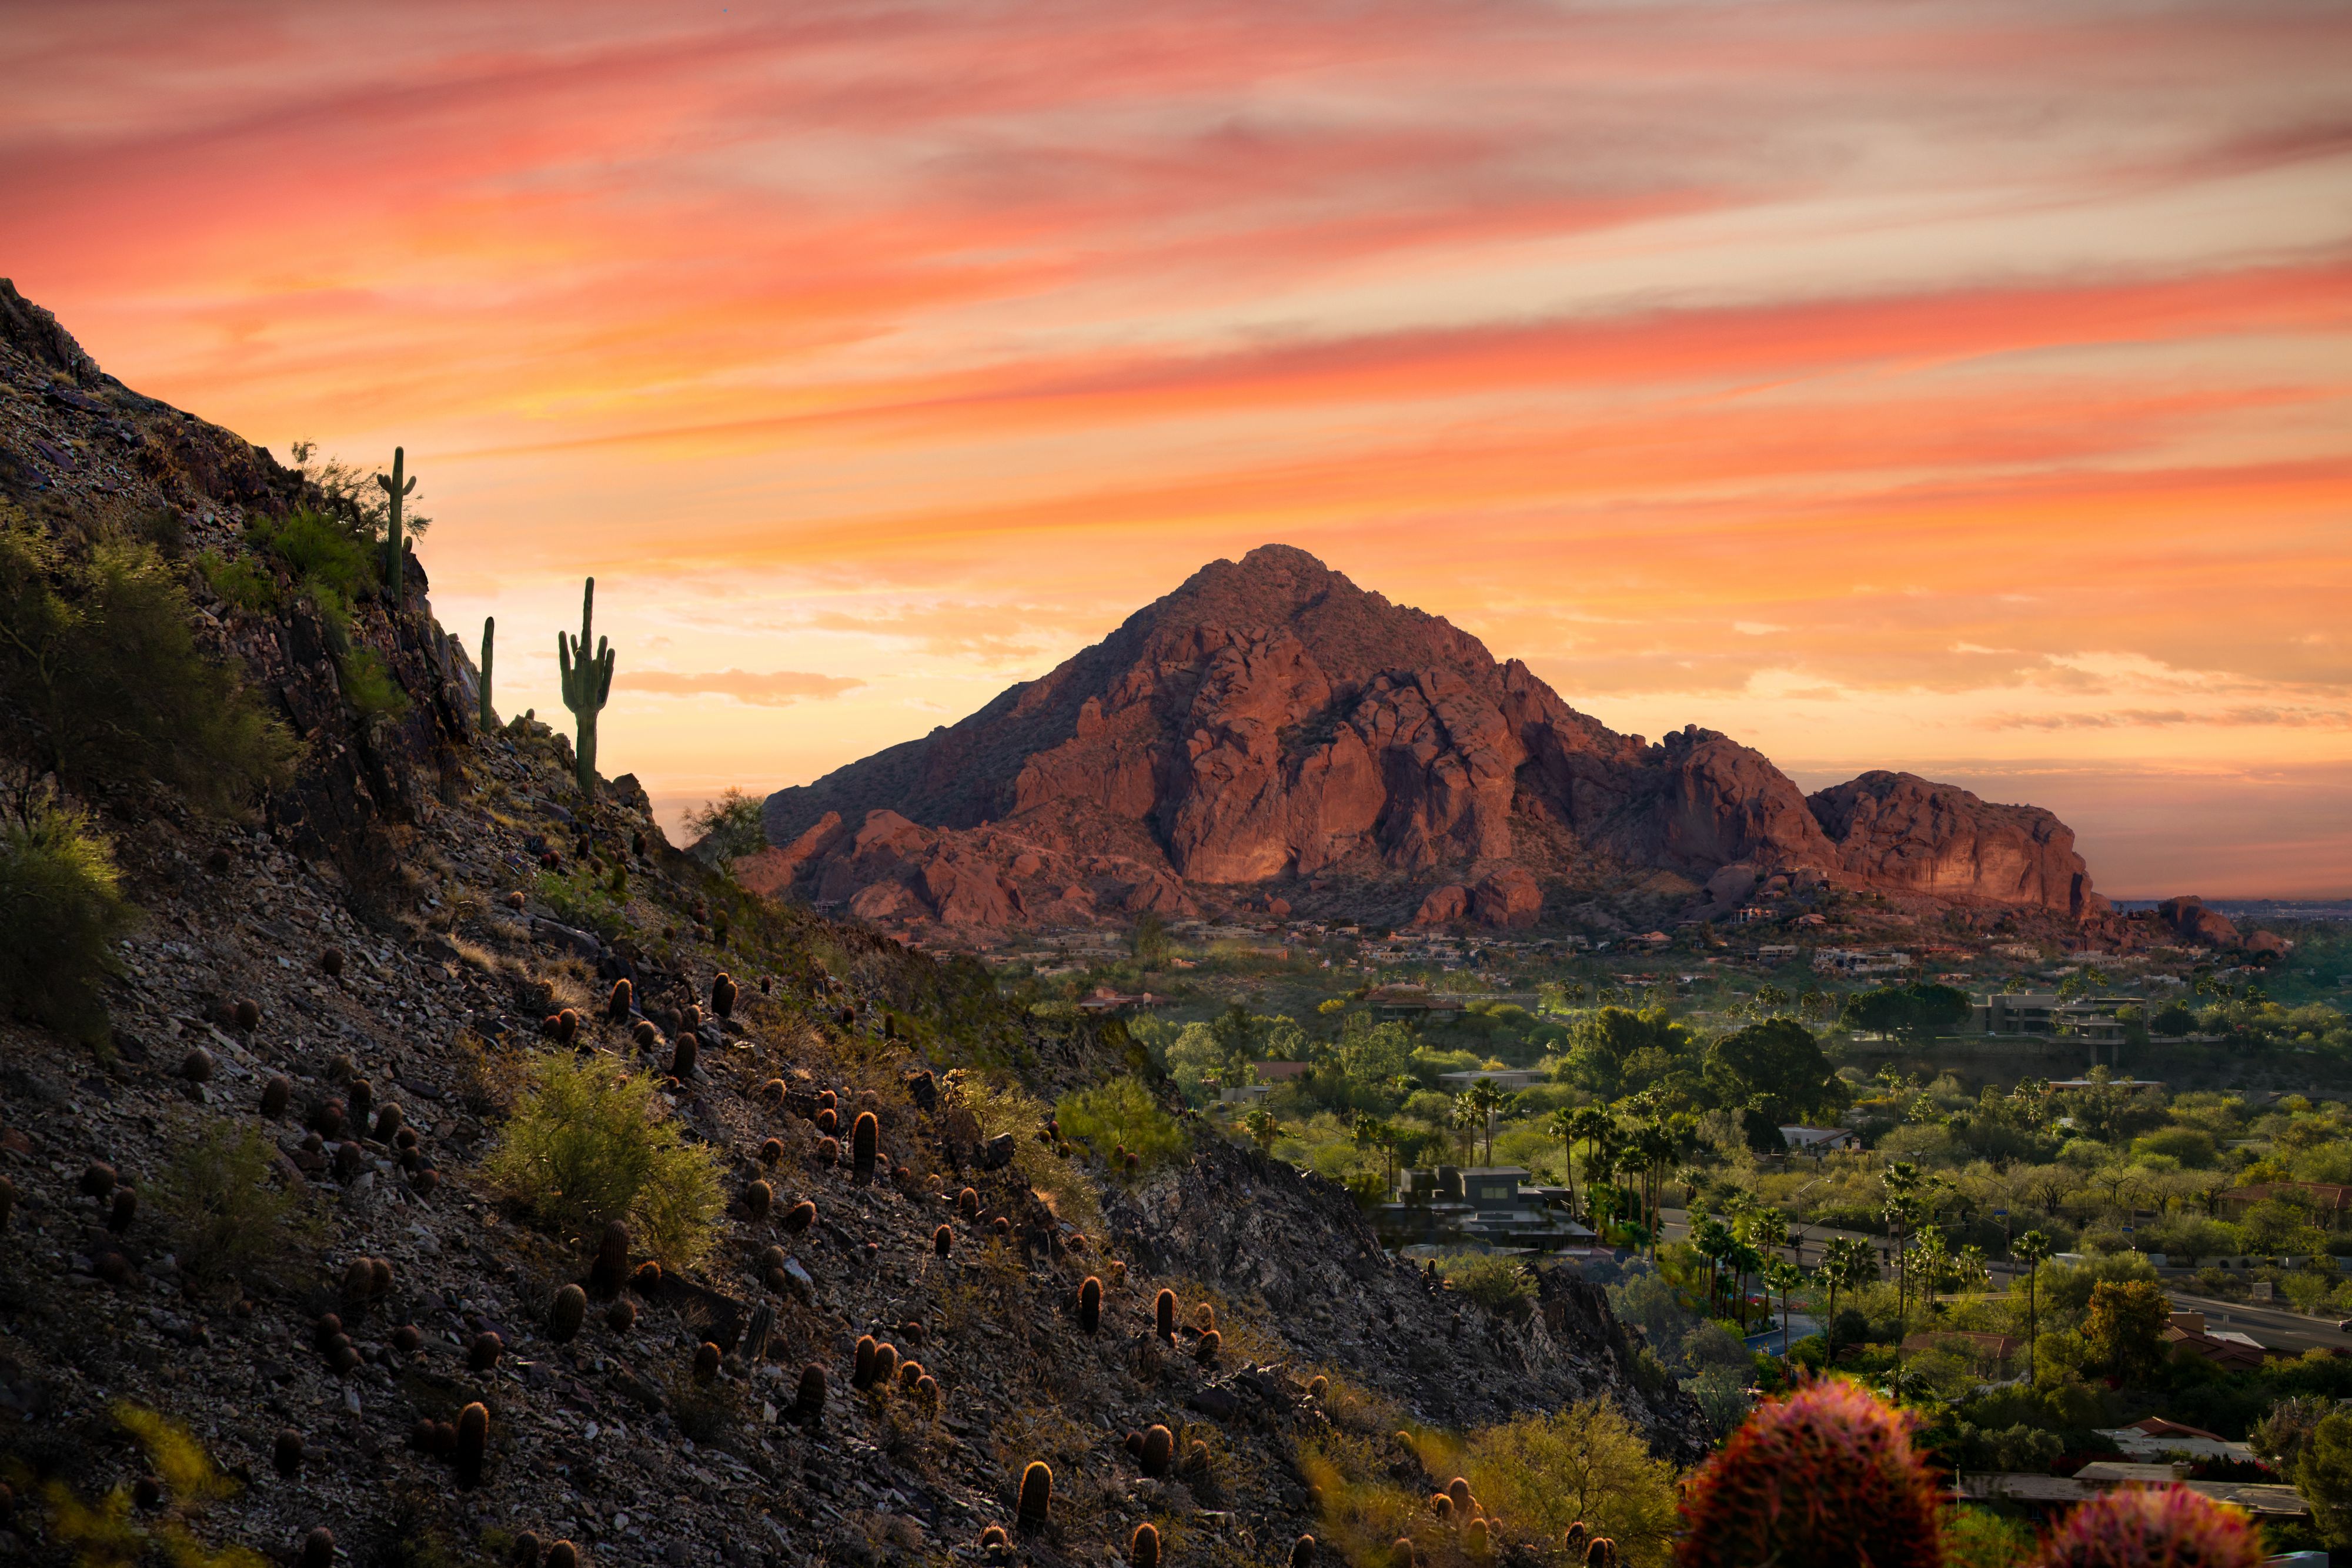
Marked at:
<point>774,689</point>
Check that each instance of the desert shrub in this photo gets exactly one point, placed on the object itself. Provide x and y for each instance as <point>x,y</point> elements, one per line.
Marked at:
<point>109,1535</point>
<point>228,1219</point>
<point>368,687</point>
<point>1979,1538</point>
<point>589,1143</point>
<point>319,550</point>
<point>579,898</point>
<point>61,906</point>
<point>243,582</point>
<point>1122,1111</point>
<point>726,828</point>
<point>490,1077</point>
<point>1498,1284</point>
<point>1586,1462</point>
<point>1006,1108</point>
<point>106,686</point>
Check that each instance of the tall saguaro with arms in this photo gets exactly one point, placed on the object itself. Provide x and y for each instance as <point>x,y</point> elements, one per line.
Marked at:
<point>587,682</point>
<point>395,549</point>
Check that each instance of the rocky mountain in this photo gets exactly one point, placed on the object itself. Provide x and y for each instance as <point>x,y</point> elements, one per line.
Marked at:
<point>262,1201</point>
<point>1270,733</point>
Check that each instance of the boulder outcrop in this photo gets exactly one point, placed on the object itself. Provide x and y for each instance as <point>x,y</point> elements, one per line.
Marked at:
<point>1271,723</point>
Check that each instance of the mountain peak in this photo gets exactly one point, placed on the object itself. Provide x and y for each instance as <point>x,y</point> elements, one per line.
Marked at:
<point>1270,732</point>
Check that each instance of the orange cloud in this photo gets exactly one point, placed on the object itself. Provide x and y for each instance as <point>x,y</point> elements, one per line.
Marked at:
<point>1893,384</point>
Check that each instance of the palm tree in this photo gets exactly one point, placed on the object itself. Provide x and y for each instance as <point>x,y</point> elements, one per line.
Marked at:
<point>1561,1124</point>
<point>1486,1099</point>
<point>2030,1250</point>
<point>1743,1261</point>
<point>1712,1239</point>
<point>1783,1276</point>
<point>1656,1144</point>
<point>1847,1264</point>
<point>1593,1123</point>
<point>1466,1119</point>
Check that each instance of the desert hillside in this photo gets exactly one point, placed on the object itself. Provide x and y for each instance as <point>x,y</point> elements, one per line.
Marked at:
<point>402,1141</point>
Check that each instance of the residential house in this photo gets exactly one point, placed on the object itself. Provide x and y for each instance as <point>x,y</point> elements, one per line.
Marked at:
<point>2153,1437</point>
<point>2225,1348</point>
<point>1489,1204</point>
<point>1820,1141</point>
<point>1511,1080</point>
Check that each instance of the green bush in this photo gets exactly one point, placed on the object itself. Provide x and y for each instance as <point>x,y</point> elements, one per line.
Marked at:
<point>241,582</point>
<point>61,906</point>
<point>318,549</point>
<point>590,1143</point>
<point>1586,1462</point>
<point>578,898</point>
<point>1122,1111</point>
<point>368,687</point>
<point>104,682</point>
<point>1499,1284</point>
<point>727,828</point>
<point>228,1221</point>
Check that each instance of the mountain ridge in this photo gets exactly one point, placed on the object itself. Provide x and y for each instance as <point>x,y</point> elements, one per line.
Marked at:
<point>1271,728</point>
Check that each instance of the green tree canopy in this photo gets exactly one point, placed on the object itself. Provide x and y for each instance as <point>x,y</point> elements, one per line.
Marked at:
<point>1777,1069</point>
<point>1914,1013</point>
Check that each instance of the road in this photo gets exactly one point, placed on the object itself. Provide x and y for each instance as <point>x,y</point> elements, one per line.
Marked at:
<point>2278,1328</point>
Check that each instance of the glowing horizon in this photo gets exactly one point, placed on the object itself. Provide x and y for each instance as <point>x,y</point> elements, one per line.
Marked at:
<point>1954,388</point>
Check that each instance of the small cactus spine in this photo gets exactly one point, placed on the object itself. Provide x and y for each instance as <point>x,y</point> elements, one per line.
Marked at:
<point>1036,1495</point>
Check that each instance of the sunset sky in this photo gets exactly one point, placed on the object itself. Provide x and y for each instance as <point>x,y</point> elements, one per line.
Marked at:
<point>1963,388</point>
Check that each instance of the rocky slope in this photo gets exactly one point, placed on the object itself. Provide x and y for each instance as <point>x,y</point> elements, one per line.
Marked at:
<point>394,932</point>
<point>1270,731</point>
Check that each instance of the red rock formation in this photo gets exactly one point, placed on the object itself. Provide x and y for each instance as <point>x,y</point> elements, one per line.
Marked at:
<point>1898,831</point>
<point>1270,722</point>
<point>2192,922</point>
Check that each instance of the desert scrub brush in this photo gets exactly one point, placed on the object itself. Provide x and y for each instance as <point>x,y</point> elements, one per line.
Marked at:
<point>1827,1477</point>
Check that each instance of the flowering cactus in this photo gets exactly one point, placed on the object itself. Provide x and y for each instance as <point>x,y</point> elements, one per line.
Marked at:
<point>1827,1478</point>
<point>2173,1526</point>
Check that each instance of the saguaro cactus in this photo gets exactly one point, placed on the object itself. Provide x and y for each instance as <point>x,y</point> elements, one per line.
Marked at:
<point>489,646</point>
<point>395,548</point>
<point>587,682</point>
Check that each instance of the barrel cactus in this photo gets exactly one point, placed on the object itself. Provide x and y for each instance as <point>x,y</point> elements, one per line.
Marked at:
<point>1827,1477</point>
<point>1036,1495</point>
<point>2174,1526</point>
